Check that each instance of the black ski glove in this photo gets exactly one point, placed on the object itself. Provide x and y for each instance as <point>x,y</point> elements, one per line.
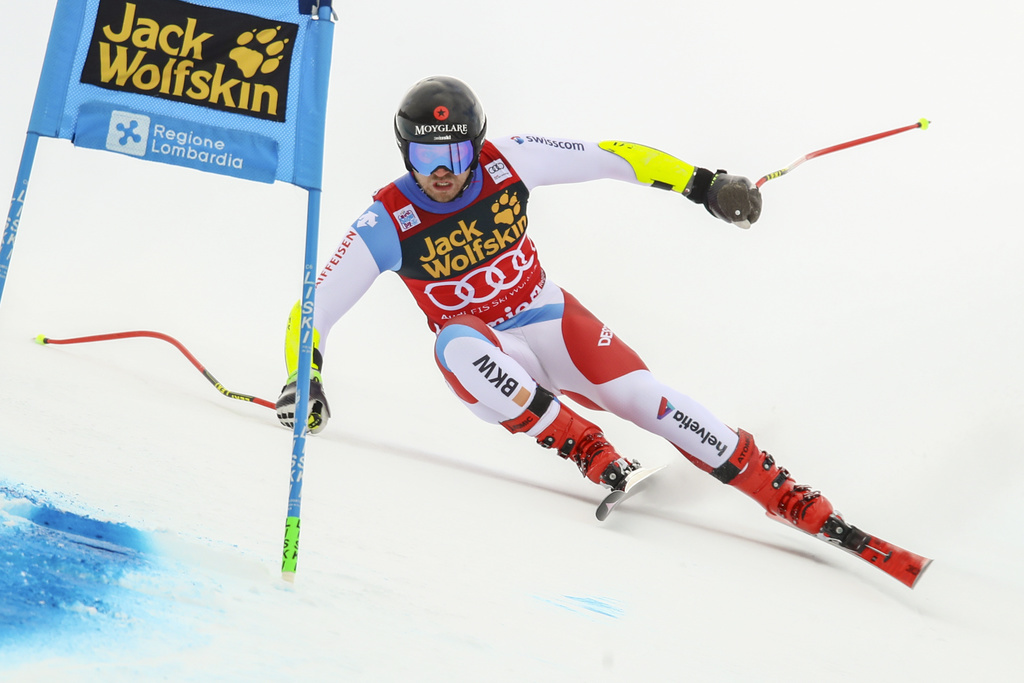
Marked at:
<point>319,411</point>
<point>732,198</point>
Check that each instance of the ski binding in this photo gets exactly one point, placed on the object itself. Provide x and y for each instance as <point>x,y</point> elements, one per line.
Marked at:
<point>634,483</point>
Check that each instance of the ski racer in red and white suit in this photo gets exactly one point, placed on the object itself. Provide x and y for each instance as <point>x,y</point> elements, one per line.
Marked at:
<point>509,340</point>
<point>475,273</point>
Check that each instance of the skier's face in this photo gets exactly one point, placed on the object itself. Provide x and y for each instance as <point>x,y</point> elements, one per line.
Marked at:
<point>442,185</point>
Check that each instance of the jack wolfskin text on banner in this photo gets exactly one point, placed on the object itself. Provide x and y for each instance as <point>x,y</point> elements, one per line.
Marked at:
<point>223,86</point>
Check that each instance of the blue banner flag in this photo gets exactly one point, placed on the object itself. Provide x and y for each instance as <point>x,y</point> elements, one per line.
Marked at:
<point>234,87</point>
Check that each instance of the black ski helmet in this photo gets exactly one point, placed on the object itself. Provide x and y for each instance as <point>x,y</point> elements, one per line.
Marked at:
<point>440,110</point>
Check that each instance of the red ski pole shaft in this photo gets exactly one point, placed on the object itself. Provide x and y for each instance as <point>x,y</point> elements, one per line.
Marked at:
<point>42,339</point>
<point>922,124</point>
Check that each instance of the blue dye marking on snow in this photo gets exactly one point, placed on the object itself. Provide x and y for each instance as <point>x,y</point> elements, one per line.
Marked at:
<point>58,568</point>
<point>71,585</point>
<point>606,607</point>
<point>603,606</point>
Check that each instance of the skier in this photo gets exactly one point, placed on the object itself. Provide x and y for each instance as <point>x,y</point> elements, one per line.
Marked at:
<point>510,342</point>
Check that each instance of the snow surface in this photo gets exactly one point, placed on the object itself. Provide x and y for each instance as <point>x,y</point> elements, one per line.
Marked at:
<point>867,331</point>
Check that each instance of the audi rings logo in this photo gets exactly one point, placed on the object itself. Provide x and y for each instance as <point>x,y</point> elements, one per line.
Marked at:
<point>483,284</point>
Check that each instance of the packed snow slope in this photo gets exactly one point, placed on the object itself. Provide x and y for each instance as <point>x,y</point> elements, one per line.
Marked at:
<point>867,331</point>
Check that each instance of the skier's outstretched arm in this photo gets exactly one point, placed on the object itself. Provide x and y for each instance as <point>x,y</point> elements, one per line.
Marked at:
<point>552,161</point>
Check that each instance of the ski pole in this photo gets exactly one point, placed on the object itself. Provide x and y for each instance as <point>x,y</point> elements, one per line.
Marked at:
<point>922,124</point>
<point>44,340</point>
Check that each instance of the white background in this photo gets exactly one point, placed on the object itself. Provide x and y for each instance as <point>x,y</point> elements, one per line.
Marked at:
<point>867,331</point>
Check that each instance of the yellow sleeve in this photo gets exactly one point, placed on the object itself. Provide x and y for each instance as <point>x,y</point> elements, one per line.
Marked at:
<point>292,343</point>
<point>653,167</point>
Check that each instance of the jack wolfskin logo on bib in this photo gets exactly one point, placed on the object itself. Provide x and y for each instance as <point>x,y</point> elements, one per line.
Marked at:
<point>200,55</point>
<point>446,250</point>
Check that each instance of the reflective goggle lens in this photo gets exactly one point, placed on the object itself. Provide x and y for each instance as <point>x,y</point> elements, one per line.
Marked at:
<point>456,157</point>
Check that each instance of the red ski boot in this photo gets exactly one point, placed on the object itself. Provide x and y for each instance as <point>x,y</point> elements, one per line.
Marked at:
<point>755,473</point>
<point>576,439</point>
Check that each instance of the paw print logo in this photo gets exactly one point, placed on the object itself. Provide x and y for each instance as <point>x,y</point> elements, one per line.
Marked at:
<point>258,51</point>
<point>506,209</point>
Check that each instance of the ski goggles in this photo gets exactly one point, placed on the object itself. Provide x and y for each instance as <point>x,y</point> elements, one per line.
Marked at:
<point>457,157</point>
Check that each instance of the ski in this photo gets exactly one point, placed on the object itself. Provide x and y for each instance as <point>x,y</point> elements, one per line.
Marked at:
<point>633,485</point>
<point>899,563</point>
<point>903,565</point>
